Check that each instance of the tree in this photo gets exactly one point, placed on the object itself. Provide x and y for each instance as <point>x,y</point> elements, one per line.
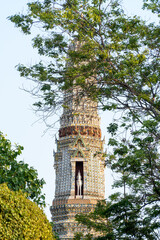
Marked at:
<point>133,213</point>
<point>20,218</point>
<point>97,40</point>
<point>120,52</point>
<point>17,174</point>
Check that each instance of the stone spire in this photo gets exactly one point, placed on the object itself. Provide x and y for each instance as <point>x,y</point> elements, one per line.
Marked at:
<point>79,163</point>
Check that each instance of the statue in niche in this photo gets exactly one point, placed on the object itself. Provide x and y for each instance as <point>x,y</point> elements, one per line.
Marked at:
<point>79,184</point>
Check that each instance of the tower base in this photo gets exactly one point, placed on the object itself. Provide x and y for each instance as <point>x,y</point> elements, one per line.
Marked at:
<point>63,216</point>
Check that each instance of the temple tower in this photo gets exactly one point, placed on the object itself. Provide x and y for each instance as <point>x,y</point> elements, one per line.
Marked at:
<point>78,162</point>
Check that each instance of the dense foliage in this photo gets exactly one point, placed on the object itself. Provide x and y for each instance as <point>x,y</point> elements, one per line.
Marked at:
<point>97,40</point>
<point>17,174</point>
<point>120,52</point>
<point>133,211</point>
<point>20,218</point>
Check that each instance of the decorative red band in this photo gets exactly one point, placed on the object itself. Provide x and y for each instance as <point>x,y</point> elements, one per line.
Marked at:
<point>84,130</point>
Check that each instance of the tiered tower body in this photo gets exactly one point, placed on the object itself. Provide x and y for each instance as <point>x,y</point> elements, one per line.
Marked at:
<point>79,164</point>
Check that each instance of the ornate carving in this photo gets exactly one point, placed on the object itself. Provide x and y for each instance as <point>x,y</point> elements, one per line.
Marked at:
<point>83,130</point>
<point>79,164</point>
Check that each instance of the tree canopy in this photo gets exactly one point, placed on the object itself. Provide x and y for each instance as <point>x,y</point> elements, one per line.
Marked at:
<point>134,212</point>
<point>119,51</point>
<point>20,218</point>
<point>97,40</point>
<point>17,174</point>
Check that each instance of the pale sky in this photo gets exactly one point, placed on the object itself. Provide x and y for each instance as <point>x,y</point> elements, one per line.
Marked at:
<point>17,119</point>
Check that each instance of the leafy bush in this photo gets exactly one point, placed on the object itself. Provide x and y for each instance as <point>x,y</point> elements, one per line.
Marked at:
<point>21,218</point>
<point>17,174</point>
